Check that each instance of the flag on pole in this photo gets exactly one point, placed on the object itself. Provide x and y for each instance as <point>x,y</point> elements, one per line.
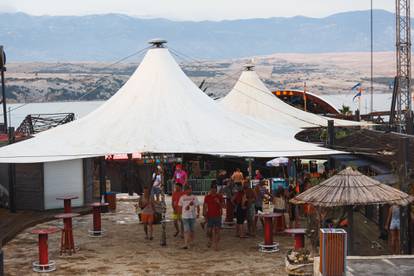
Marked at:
<point>357,88</point>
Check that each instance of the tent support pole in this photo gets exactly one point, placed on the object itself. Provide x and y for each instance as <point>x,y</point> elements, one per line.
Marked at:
<point>331,142</point>
<point>129,175</point>
<point>404,155</point>
<point>350,238</point>
<point>102,176</point>
<point>12,176</point>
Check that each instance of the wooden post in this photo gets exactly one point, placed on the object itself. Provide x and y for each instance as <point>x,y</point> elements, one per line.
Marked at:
<point>409,124</point>
<point>405,211</point>
<point>1,261</point>
<point>350,239</point>
<point>102,176</point>
<point>12,176</point>
<point>331,133</point>
<point>129,175</point>
<point>3,87</point>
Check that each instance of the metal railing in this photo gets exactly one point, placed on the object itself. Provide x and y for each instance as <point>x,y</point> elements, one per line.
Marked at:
<point>199,186</point>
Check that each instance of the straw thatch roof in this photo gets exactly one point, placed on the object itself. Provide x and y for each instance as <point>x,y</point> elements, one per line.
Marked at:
<point>350,187</point>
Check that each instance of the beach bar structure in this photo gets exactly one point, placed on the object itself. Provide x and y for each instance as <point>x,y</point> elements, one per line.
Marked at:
<point>350,188</point>
<point>37,185</point>
<point>158,110</point>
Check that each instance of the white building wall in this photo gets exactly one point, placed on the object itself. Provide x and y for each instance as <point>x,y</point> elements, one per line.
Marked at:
<point>63,178</point>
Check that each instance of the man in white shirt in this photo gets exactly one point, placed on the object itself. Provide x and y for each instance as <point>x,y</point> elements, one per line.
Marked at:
<point>189,204</point>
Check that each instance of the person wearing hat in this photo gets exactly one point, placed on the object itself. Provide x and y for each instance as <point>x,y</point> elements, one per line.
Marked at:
<point>156,183</point>
<point>178,223</point>
<point>180,176</point>
<point>213,211</point>
<point>189,204</point>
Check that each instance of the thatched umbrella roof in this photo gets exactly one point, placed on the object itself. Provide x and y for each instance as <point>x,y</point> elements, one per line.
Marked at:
<point>350,187</point>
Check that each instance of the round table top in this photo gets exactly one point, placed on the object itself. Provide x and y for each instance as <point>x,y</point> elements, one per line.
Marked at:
<point>49,230</point>
<point>65,197</point>
<point>269,215</point>
<point>67,215</point>
<point>296,230</point>
<point>99,204</point>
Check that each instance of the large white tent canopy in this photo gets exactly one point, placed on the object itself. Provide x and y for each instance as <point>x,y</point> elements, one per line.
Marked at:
<point>159,110</point>
<point>251,97</point>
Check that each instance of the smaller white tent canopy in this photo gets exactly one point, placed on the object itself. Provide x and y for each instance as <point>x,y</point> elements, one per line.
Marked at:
<point>158,110</point>
<point>251,97</point>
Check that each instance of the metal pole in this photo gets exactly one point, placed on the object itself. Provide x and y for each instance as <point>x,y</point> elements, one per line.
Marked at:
<point>331,133</point>
<point>102,176</point>
<point>12,176</point>
<point>404,226</point>
<point>163,240</point>
<point>350,212</point>
<point>129,175</point>
<point>3,94</point>
<point>1,262</point>
<point>372,58</point>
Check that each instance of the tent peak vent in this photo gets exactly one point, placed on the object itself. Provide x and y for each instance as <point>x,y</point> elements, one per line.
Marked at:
<point>157,42</point>
<point>248,67</point>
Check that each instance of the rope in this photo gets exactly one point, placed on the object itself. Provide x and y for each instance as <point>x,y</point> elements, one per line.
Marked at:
<point>266,93</point>
<point>93,90</point>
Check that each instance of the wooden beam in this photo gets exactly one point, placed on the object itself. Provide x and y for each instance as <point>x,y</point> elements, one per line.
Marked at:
<point>350,237</point>
<point>12,176</point>
<point>102,176</point>
<point>405,239</point>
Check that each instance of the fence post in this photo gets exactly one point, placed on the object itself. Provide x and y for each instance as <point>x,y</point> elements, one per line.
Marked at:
<point>1,262</point>
<point>12,176</point>
<point>405,240</point>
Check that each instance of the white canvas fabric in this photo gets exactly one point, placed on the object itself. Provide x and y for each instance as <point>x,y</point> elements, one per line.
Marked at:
<point>251,97</point>
<point>159,110</point>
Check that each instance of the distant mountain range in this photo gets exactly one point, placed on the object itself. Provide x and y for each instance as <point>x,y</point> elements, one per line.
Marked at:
<point>110,37</point>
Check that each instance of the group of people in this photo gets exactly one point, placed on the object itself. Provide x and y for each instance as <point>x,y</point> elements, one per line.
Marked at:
<point>242,201</point>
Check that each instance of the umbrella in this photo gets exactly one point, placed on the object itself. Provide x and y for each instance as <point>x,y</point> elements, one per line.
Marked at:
<point>279,161</point>
<point>350,187</point>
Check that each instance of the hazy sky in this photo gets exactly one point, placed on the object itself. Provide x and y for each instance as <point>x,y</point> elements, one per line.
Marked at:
<point>193,9</point>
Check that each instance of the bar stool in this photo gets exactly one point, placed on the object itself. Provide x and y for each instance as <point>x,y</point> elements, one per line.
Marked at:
<point>44,264</point>
<point>67,243</point>
<point>299,236</point>
<point>67,202</point>
<point>97,230</point>
<point>268,245</point>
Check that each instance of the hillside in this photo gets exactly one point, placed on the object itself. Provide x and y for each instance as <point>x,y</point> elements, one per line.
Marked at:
<point>112,36</point>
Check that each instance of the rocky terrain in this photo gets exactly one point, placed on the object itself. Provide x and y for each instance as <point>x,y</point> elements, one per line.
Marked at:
<point>323,73</point>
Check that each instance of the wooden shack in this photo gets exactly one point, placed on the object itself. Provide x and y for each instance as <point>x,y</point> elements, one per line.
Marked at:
<point>38,184</point>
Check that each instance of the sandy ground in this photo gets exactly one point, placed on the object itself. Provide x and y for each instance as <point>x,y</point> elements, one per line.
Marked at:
<point>124,251</point>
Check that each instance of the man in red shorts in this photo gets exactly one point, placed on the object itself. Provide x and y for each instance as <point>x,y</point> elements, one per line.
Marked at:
<point>213,211</point>
<point>178,192</point>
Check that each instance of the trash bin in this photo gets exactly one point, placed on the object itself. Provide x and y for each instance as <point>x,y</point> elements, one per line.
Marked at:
<point>110,197</point>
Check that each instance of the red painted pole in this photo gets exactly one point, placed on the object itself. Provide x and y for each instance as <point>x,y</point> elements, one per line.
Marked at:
<point>268,231</point>
<point>229,211</point>
<point>67,205</point>
<point>43,250</point>
<point>299,241</point>
<point>96,219</point>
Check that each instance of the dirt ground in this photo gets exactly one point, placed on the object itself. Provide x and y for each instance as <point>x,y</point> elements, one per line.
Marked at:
<point>124,251</point>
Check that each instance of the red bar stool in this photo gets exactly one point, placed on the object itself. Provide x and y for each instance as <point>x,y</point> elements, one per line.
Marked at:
<point>268,246</point>
<point>44,264</point>
<point>97,230</point>
<point>67,243</point>
<point>280,224</point>
<point>67,202</point>
<point>299,236</point>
